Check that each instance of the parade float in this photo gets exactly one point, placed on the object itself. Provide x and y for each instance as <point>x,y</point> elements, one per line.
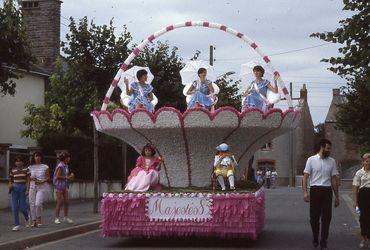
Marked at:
<point>187,141</point>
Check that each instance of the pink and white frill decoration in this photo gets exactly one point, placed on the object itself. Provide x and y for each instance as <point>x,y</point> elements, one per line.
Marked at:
<point>187,141</point>
<point>232,215</point>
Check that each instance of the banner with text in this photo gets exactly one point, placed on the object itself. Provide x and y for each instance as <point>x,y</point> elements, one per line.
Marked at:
<point>179,208</point>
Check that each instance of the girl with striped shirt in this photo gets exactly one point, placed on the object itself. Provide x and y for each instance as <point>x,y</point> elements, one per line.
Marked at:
<point>19,184</point>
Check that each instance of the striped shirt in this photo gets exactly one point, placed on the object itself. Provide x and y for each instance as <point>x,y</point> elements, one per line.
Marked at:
<point>19,175</point>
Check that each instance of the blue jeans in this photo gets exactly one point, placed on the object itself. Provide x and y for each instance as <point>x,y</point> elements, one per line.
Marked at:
<point>19,202</point>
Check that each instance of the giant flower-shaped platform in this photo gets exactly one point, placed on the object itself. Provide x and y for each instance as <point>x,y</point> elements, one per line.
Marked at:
<point>187,140</point>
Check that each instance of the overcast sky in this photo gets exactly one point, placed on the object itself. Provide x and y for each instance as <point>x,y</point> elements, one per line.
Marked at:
<point>276,26</point>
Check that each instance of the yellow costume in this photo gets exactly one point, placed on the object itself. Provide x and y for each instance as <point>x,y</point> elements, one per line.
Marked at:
<point>224,165</point>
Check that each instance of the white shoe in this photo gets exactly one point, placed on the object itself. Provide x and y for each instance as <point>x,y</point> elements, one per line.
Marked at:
<point>232,188</point>
<point>68,220</point>
<point>363,244</point>
<point>27,223</point>
<point>16,228</point>
<point>57,221</point>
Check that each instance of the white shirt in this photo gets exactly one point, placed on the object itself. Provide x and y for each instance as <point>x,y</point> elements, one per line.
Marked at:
<point>268,174</point>
<point>226,161</point>
<point>362,179</point>
<point>320,170</point>
<point>38,171</point>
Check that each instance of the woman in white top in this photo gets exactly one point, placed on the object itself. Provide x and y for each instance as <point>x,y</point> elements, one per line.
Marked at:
<point>361,184</point>
<point>38,187</point>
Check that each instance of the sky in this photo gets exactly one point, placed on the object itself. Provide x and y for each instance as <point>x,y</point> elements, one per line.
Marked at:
<point>281,28</point>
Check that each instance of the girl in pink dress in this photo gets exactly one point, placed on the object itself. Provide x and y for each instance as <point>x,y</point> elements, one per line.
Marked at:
<point>145,175</point>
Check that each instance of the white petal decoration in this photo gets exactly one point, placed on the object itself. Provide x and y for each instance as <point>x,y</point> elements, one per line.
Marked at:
<point>187,141</point>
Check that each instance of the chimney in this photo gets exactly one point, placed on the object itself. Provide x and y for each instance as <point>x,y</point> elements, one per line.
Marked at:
<point>303,93</point>
<point>336,92</point>
<point>42,23</point>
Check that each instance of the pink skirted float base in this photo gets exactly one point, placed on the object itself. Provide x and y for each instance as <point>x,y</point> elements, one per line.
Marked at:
<point>229,215</point>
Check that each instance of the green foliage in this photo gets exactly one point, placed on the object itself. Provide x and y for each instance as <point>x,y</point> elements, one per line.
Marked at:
<point>42,120</point>
<point>228,95</point>
<point>80,79</point>
<point>165,64</point>
<point>15,52</point>
<point>353,65</point>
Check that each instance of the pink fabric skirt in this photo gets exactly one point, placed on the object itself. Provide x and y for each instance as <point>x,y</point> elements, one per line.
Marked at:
<point>143,181</point>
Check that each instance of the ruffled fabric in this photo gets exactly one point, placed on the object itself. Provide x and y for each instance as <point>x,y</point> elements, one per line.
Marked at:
<point>239,215</point>
<point>141,96</point>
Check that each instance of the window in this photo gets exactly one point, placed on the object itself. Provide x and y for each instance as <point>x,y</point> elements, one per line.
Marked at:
<point>30,4</point>
<point>267,146</point>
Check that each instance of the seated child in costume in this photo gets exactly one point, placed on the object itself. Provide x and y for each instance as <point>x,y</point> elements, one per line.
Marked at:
<point>224,166</point>
<point>145,175</point>
<point>140,91</point>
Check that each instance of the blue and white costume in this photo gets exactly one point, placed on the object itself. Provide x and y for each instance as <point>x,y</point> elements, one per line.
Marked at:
<point>201,95</point>
<point>254,98</point>
<point>141,95</point>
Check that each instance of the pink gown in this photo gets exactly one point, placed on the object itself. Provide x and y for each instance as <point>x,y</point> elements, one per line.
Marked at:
<point>144,175</point>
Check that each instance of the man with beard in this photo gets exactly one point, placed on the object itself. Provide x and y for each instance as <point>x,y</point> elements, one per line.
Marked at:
<point>322,172</point>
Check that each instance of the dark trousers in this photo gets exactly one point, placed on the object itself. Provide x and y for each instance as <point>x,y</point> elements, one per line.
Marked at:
<point>320,208</point>
<point>364,205</point>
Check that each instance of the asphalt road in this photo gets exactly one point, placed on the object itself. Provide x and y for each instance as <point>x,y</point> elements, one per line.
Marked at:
<point>287,227</point>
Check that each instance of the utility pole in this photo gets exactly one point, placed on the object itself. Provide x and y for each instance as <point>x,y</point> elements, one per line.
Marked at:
<point>211,57</point>
<point>291,143</point>
<point>96,169</point>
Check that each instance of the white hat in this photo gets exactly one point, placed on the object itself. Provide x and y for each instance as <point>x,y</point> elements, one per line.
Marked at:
<point>222,147</point>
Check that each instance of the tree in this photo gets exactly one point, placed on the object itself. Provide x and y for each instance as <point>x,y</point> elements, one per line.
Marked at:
<point>79,82</point>
<point>15,51</point>
<point>353,116</point>
<point>165,64</point>
<point>228,95</point>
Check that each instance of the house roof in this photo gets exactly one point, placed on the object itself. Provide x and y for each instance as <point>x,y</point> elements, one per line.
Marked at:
<point>34,69</point>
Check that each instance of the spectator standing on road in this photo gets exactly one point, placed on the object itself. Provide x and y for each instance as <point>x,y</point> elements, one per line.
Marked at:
<point>259,177</point>
<point>39,187</point>
<point>274,176</point>
<point>19,185</point>
<point>61,179</point>
<point>322,172</point>
<point>361,187</point>
<point>268,178</point>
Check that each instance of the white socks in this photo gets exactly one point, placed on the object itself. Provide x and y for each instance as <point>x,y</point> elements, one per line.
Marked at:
<point>220,179</point>
<point>231,181</point>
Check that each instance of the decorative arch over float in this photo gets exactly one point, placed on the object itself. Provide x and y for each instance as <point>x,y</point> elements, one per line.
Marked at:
<point>187,141</point>
<point>169,28</point>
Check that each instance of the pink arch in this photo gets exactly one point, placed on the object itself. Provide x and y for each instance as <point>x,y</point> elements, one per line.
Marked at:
<point>152,37</point>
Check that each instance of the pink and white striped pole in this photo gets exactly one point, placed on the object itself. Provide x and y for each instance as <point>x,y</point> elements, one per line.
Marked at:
<point>169,28</point>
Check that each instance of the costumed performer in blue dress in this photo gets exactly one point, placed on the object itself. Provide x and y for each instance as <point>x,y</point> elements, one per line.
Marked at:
<point>201,91</point>
<point>140,92</point>
<point>256,93</point>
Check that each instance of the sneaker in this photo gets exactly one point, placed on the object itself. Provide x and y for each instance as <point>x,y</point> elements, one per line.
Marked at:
<point>315,243</point>
<point>232,188</point>
<point>34,224</point>
<point>323,245</point>
<point>38,222</point>
<point>27,223</point>
<point>16,228</point>
<point>57,221</point>
<point>68,220</point>
<point>363,244</point>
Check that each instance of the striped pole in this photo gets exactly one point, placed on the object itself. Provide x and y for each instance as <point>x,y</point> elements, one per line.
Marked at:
<point>136,51</point>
